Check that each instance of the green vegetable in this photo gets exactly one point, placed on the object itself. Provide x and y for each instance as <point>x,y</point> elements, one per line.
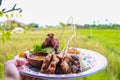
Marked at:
<point>38,48</point>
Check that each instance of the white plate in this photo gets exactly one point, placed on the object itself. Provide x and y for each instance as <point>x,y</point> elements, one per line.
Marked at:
<point>96,61</point>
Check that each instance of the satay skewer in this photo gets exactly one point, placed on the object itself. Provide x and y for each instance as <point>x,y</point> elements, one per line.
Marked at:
<point>75,38</point>
<point>66,47</point>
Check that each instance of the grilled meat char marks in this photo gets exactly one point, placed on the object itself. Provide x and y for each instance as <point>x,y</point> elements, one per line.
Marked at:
<point>70,64</point>
<point>58,65</point>
<point>52,66</point>
<point>65,64</point>
<point>46,63</point>
<point>50,41</point>
<point>75,64</point>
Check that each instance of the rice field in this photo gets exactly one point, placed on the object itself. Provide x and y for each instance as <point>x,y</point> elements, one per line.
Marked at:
<point>109,39</point>
<point>104,41</point>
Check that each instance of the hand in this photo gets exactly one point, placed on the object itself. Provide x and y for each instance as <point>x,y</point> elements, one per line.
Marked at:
<point>12,73</point>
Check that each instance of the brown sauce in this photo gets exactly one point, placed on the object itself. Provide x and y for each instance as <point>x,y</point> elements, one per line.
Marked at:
<point>37,57</point>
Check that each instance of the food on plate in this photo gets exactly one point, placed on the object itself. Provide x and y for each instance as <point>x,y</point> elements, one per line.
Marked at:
<point>46,63</point>
<point>38,55</point>
<point>22,55</point>
<point>38,48</point>
<point>50,41</point>
<point>36,59</point>
<point>65,64</point>
<point>75,64</point>
<point>62,62</point>
<point>73,50</point>
<point>84,65</point>
<point>54,64</point>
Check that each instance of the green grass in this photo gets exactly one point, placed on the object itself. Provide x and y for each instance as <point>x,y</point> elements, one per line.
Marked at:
<point>109,39</point>
<point>104,41</point>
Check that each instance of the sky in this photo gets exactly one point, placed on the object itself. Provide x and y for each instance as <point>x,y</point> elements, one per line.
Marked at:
<point>51,12</point>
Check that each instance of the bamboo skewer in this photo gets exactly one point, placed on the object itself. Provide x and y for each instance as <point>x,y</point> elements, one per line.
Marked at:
<point>71,37</point>
<point>75,39</point>
<point>71,18</point>
<point>68,42</point>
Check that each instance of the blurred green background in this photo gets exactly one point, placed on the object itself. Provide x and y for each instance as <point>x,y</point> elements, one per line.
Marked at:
<point>105,41</point>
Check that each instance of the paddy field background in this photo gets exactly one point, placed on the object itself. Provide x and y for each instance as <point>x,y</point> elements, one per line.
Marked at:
<point>104,41</point>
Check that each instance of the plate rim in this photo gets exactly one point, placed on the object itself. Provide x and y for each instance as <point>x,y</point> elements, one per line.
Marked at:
<point>63,76</point>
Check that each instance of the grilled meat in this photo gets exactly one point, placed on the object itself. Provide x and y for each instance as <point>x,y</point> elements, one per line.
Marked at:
<point>52,66</point>
<point>46,63</point>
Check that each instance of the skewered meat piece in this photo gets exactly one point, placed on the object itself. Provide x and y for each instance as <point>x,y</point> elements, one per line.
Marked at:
<point>59,64</point>
<point>66,64</point>
<point>52,66</point>
<point>46,63</point>
<point>75,64</point>
<point>55,44</point>
<point>46,43</point>
<point>65,67</point>
<point>59,56</point>
<point>51,35</point>
<point>75,57</point>
<point>75,69</point>
<point>51,42</point>
<point>58,68</point>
